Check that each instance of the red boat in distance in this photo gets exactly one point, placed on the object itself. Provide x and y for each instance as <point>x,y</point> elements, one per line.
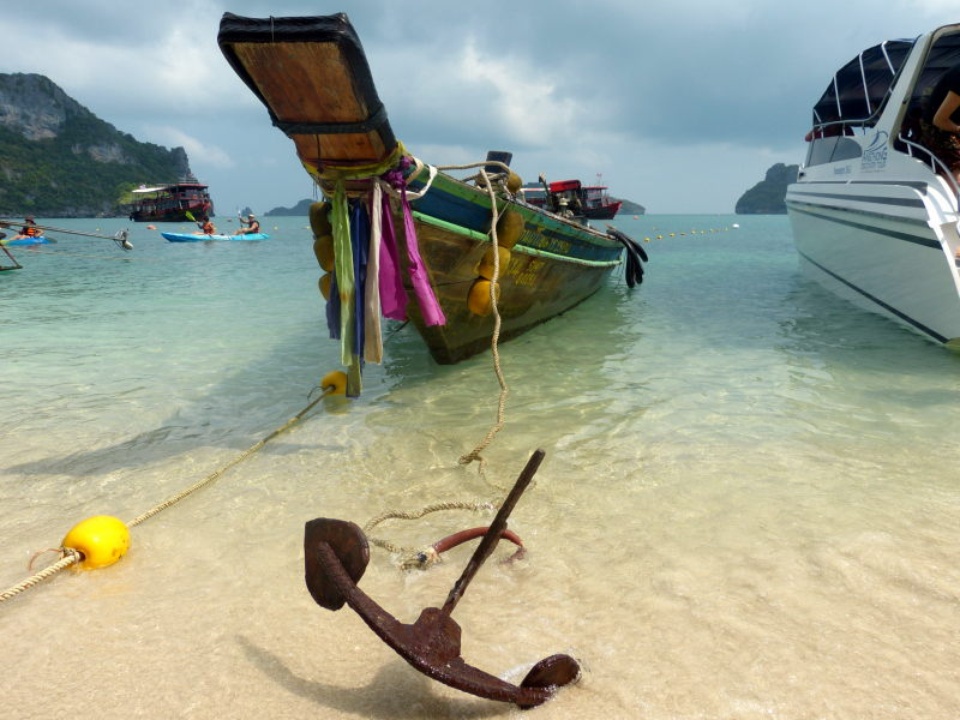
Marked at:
<point>171,203</point>
<point>571,196</point>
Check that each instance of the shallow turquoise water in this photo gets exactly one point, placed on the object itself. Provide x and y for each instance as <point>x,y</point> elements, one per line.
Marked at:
<point>749,506</point>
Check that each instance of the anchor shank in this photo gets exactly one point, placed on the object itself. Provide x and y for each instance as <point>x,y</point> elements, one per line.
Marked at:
<point>492,537</point>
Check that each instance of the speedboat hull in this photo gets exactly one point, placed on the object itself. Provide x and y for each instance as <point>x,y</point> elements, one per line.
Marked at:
<point>874,215</point>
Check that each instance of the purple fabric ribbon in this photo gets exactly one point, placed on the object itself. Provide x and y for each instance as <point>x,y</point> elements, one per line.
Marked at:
<point>393,298</point>
<point>429,307</point>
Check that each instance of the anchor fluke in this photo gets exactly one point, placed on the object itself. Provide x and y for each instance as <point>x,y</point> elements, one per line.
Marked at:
<point>350,546</point>
<point>552,672</point>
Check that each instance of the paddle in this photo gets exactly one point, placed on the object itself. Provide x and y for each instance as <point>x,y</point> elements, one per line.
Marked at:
<point>199,224</point>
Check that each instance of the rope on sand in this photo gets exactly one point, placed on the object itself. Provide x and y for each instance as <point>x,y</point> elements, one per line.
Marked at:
<point>70,556</point>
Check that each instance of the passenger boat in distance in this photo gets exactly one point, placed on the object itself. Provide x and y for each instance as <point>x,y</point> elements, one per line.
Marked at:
<point>174,202</point>
<point>467,254</point>
<point>589,201</point>
<point>874,211</point>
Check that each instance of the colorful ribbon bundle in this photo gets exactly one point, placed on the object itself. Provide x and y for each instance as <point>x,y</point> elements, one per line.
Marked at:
<point>368,277</point>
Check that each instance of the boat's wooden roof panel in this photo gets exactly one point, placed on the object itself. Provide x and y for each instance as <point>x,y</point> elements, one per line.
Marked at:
<point>313,77</point>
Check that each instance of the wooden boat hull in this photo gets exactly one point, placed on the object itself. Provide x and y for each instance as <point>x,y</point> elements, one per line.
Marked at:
<point>172,203</point>
<point>534,287</point>
<point>325,101</point>
<point>604,212</point>
<point>177,215</point>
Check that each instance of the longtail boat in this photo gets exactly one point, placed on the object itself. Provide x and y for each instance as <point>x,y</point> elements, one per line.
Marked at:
<point>463,259</point>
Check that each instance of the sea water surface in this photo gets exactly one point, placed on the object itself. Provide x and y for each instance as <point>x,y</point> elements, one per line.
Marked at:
<point>749,506</point>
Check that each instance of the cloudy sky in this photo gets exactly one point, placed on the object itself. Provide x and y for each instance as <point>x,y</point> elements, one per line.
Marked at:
<point>680,105</point>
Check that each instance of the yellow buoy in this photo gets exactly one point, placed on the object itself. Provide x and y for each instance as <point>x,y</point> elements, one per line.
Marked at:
<point>324,284</point>
<point>478,300</point>
<point>514,183</point>
<point>320,219</point>
<point>102,540</point>
<point>323,250</point>
<point>337,379</point>
<point>509,228</point>
<point>485,268</point>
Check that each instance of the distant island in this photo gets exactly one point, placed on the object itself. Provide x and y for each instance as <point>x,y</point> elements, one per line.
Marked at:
<point>302,208</point>
<point>58,159</point>
<point>768,197</point>
<point>630,208</point>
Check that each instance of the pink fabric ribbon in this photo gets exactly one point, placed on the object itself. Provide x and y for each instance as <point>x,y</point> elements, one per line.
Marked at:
<point>429,306</point>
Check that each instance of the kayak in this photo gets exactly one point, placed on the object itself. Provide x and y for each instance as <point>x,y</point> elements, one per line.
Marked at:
<point>35,240</point>
<point>193,237</point>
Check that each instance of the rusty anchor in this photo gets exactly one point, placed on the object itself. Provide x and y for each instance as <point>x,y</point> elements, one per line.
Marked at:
<point>336,556</point>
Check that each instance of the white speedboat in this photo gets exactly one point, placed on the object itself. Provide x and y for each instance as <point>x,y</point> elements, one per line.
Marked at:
<point>874,213</point>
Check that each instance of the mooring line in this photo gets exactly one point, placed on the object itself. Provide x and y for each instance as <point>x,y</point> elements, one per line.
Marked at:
<point>71,556</point>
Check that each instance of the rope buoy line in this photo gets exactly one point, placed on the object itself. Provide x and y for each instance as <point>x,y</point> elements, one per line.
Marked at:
<point>102,540</point>
<point>92,256</point>
<point>663,236</point>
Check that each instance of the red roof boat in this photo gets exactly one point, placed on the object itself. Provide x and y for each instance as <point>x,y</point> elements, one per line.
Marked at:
<point>589,201</point>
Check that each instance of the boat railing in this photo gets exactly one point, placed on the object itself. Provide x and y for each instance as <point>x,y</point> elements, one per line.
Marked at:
<point>915,150</point>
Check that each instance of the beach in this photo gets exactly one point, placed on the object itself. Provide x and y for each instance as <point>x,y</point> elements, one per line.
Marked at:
<point>748,507</point>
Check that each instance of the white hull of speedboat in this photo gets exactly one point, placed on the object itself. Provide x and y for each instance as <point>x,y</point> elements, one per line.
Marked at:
<point>872,219</point>
<point>900,269</point>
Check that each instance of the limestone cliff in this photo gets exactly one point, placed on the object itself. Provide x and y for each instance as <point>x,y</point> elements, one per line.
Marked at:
<point>57,159</point>
<point>768,196</point>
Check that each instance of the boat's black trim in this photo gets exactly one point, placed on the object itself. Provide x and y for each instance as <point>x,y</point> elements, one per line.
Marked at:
<point>918,185</point>
<point>372,123</point>
<point>877,301</point>
<point>907,237</point>
<point>898,202</point>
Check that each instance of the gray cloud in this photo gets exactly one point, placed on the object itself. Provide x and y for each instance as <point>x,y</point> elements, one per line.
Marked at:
<point>681,104</point>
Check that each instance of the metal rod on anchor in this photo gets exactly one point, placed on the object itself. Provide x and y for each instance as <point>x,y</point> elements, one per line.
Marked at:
<point>493,534</point>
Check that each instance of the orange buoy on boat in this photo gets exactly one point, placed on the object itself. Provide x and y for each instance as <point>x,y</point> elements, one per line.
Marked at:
<point>320,219</point>
<point>324,283</point>
<point>509,228</point>
<point>485,268</point>
<point>323,250</point>
<point>478,300</point>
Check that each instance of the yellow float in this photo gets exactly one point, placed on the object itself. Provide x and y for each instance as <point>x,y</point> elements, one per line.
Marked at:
<point>337,380</point>
<point>485,268</point>
<point>509,228</point>
<point>324,283</point>
<point>478,300</point>
<point>320,219</point>
<point>102,540</point>
<point>323,250</point>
